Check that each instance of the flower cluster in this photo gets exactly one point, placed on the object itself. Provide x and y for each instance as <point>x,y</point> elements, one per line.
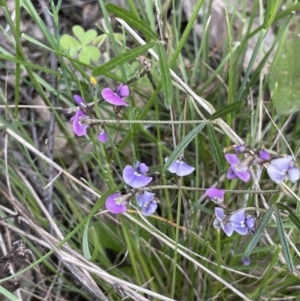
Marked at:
<point>79,120</point>
<point>238,221</point>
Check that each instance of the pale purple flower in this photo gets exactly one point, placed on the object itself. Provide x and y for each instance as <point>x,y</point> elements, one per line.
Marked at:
<point>78,127</point>
<point>116,98</point>
<point>222,220</point>
<point>246,261</point>
<point>280,168</point>
<point>180,167</point>
<point>237,169</point>
<point>116,203</point>
<point>136,177</point>
<point>147,202</point>
<point>102,137</point>
<point>238,222</point>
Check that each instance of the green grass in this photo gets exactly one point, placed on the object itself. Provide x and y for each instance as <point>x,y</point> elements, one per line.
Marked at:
<point>204,99</point>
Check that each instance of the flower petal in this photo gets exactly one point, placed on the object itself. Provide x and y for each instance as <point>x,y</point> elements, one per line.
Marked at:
<point>128,174</point>
<point>174,167</point>
<point>112,206</point>
<point>146,197</point>
<point>102,137</point>
<point>227,228</point>
<point>151,208</point>
<point>282,164</point>
<point>238,217</point>
<point>232,159</point>
<point>215,193</point>
<point>220,213</point>
<point>112,97</point>
<point>231,174</point>
<point>243,175</point>
<point>142,168</point>
<point>275,174</point>
<point>184,169</point>
<point>264,155</point>
<point>293,174</point>
<point>140,181</point>
<point>78,99</point>
<point>123,91</point>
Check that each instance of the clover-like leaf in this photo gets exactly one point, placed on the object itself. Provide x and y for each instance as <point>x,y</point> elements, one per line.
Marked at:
<point>84,37</point>
<point>70,44</point>
<point>89,53</point>
<point>81,46</point>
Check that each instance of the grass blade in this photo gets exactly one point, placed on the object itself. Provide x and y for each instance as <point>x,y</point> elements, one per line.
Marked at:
<point>122,59</point>
<point>132,20</point>
<point>228,109</point>
<point>184,143</point>
<point>284,242</point>
<point>165,75</point>
<point>259,231</point>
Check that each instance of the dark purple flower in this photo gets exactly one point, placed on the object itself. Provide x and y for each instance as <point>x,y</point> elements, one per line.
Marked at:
<point>116,203</point>
<point>79,100</point>
<point>240,148</point>
<point>147,202</point>
<point>237,169</point>
<point>102,137</point>
<point>136,177</point>
<point>264,155</point>
<point>180,167</point>
<point>78,127</point>
<point>116,98</point>
<point>280,168</point>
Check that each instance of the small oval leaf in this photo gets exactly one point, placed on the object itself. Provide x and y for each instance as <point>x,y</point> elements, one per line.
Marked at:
<point>85,242</point>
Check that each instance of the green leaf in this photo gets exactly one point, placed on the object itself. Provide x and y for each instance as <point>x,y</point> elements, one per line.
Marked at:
<point>216,148</point>
<point>122,59</point>
<point>284,242</point>
<point>98,41</point>
<point>88,53</point>
<point>259,231</point>
<point>285,76</point>
<point>132,20</point>
<point>4,292</point>
<point>85,242</point>
<point>293,217</point>
<point>85,37</point>
<point>228,109</point>
<point>183,144</point>
<point>69,43</point>
<point>165,75</point>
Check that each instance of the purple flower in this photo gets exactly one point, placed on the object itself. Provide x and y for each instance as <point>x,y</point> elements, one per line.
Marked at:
<point>78,127</point>
<point>223,220</point>
<point>147,202</point>
<point>179,167</point>
<point>116,203</point>
<point>79,100</point>
<point>215,194</point>
<point>237,169</point>
<point>264,155</point>
<point>240,148</point>
<point>116,98</point>
<point>280,168</point>
<point>136,177</point>
<point>238,222</point>
<point>246,261</point>
<point>102,137</point>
